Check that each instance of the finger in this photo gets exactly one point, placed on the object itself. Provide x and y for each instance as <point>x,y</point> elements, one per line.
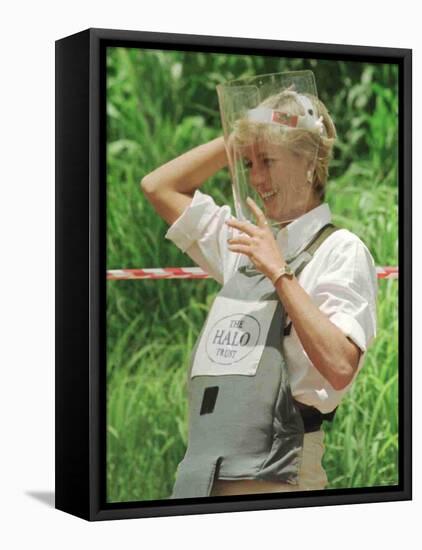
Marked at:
<point>258,213</point>
<point>245,227</point>
<point>243,249</point>
<point>241,239</point>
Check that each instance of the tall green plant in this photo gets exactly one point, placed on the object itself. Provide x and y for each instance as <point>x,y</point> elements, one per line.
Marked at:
<point>160,104</point>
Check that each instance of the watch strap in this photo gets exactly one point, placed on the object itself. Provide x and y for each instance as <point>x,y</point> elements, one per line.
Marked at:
<point>283,271</point>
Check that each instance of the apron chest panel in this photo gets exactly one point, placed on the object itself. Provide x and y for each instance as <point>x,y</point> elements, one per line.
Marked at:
<point>243,420</point>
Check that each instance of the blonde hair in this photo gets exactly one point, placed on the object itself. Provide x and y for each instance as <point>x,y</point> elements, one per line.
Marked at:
<point>307,143</point>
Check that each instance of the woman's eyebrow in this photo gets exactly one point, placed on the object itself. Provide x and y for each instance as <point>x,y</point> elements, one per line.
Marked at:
<point>268,154</point>
<point>259,155</point>
<point>262,153</point>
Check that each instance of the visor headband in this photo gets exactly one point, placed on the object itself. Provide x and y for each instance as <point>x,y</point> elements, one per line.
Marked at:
<point>308,121</point>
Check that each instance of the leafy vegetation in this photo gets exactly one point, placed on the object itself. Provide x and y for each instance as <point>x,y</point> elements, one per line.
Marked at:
<point>159,105</point>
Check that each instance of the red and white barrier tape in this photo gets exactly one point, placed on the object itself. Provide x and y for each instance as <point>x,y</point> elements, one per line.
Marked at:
<point>385,272</point>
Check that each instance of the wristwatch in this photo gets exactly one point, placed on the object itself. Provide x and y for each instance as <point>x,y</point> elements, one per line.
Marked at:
<point>282,272</point>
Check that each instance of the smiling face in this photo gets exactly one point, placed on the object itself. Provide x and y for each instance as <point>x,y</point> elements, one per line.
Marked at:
<point>279,178</point>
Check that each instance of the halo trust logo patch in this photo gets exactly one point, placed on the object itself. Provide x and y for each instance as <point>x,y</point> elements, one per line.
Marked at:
<point>232,338</point>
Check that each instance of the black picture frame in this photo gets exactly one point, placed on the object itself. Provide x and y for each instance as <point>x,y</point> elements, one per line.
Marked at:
<point>81,283</point>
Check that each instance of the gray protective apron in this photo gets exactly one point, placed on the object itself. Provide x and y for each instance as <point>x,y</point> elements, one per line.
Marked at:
<point>243,420</point>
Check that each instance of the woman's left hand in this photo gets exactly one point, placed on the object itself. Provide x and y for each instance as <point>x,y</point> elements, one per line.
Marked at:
<point>258,243</point>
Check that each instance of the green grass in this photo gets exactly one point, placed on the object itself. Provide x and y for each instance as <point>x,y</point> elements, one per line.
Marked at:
<point>160,105</point>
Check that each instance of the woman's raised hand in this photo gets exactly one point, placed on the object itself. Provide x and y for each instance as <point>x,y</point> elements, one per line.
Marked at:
<point>258,242</point>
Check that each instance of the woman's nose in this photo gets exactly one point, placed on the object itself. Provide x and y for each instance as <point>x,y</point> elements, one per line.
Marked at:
<point>257,176</point>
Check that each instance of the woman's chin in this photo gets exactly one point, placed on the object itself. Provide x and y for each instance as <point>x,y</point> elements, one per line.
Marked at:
<point>275,214</point>
<point>278,214</point>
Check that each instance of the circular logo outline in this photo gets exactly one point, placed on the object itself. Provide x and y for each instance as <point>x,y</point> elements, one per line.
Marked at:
<point>222,319</point>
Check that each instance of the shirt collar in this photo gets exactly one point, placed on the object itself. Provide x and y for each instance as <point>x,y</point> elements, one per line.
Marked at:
<point>293,238</point>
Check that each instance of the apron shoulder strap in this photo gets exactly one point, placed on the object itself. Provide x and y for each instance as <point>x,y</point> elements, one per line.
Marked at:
<point>304,257</point>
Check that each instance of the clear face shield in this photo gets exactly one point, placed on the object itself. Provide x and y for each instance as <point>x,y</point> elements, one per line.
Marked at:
<point>272,133</point>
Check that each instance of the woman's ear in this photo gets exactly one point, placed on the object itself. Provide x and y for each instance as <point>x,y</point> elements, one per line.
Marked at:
<point>309,176</point>
<point>309,173</point>
<point>310,168</point>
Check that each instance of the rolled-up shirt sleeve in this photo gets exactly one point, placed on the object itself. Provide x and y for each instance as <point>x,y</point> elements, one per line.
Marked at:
<point>201,232</point>
<point>346,292</point>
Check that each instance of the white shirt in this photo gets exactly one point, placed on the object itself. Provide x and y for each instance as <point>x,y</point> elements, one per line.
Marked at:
<point>341,280</point>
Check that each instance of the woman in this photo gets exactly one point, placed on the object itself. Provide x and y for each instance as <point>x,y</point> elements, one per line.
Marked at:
<point>287,333</point>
